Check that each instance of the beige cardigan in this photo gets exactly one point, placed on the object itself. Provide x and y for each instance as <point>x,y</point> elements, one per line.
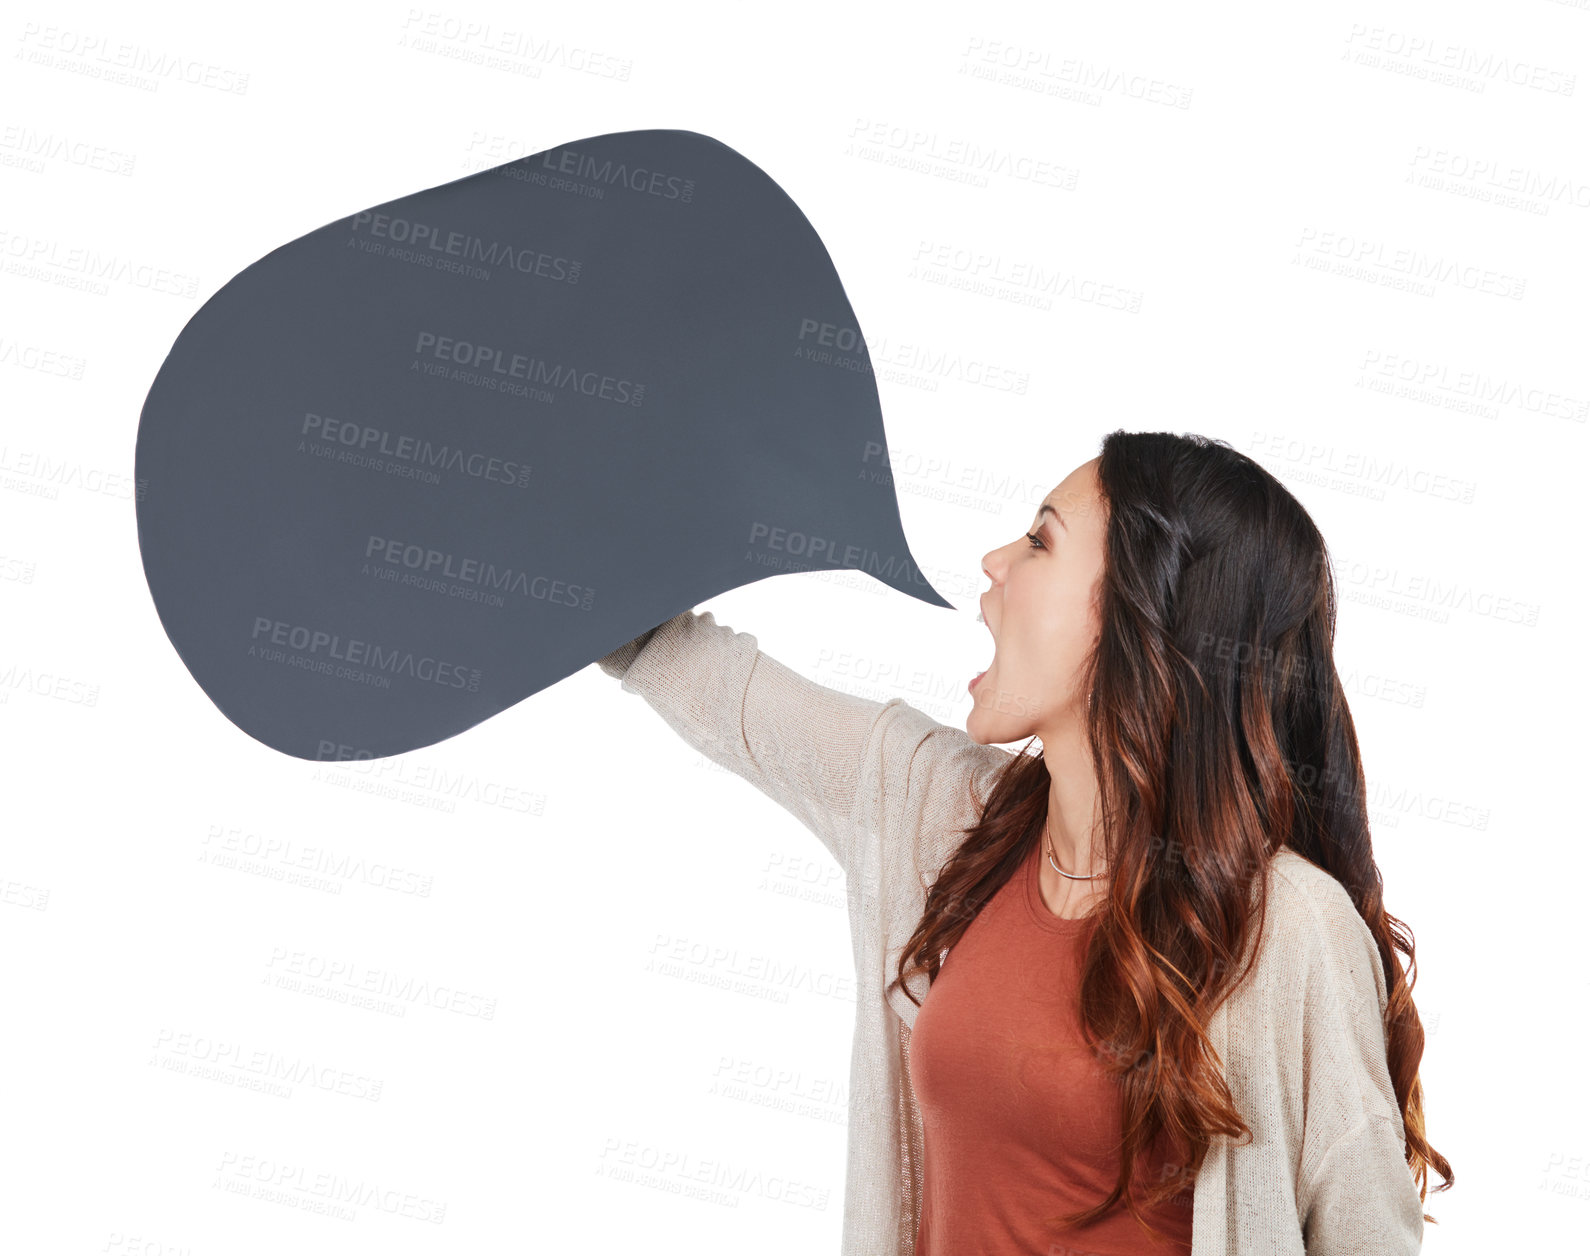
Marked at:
<point>885,788</point>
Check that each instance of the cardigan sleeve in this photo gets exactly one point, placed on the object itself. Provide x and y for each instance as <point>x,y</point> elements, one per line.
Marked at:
<point>933,780</point>
<point>1363,1200</point>
<point>801,743</point>
<point>1356,1192</point>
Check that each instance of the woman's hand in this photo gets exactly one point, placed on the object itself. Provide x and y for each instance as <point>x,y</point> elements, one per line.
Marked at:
<point>617,663</point>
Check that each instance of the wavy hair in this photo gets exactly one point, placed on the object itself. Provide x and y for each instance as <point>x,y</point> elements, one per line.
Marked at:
<point>1219,734</point>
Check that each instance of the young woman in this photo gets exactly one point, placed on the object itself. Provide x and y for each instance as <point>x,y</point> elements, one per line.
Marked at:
<point>1136,991</point>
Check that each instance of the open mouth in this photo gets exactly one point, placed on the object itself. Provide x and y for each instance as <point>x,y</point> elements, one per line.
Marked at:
<point>982,619</point>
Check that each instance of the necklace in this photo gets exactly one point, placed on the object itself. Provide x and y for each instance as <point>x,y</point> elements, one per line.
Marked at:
<point>1073,876</point>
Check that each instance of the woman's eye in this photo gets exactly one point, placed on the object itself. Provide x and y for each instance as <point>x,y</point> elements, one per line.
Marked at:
<point>1037,543</point>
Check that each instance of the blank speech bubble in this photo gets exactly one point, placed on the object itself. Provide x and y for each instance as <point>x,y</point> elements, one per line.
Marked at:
<point>417,465</point>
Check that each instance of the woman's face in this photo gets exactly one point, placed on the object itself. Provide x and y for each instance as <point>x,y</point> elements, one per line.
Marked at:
<point>1043,613</point>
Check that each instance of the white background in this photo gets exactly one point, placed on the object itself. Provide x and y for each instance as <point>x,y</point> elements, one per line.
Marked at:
<point>1352,240</point>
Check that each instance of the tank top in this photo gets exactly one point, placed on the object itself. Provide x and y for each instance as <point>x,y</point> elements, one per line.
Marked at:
<point>1019,1121</point>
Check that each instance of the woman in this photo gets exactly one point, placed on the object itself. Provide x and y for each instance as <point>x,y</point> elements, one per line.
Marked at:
<point>1137,991</point>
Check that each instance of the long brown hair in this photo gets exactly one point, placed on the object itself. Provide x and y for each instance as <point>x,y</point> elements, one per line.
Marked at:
<point>1219,734</point>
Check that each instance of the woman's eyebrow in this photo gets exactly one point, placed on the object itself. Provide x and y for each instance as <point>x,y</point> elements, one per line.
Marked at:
<point>1047,507</point>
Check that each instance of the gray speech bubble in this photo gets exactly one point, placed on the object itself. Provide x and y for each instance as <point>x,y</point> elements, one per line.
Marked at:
<point>420,463</point>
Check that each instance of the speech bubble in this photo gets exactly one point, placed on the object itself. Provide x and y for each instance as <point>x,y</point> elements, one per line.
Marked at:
<point>416,465</point>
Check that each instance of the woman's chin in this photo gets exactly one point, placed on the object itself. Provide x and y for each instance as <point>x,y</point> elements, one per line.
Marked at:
<point>977,725</point>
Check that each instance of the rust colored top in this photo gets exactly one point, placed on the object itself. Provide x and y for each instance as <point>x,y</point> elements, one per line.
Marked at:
<point>1019,1120</point>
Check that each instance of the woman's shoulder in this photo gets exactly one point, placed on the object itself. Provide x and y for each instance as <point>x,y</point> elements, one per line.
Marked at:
<point>937,761</point>
<point>1310,897</point>
<point>1314,935</point>
<point>926,781</point>
<point>1317,887</point>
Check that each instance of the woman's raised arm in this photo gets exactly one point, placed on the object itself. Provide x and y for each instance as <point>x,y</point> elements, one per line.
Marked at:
<point>824,755</point>
<point>799,742</point>
<point>840,764</point>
